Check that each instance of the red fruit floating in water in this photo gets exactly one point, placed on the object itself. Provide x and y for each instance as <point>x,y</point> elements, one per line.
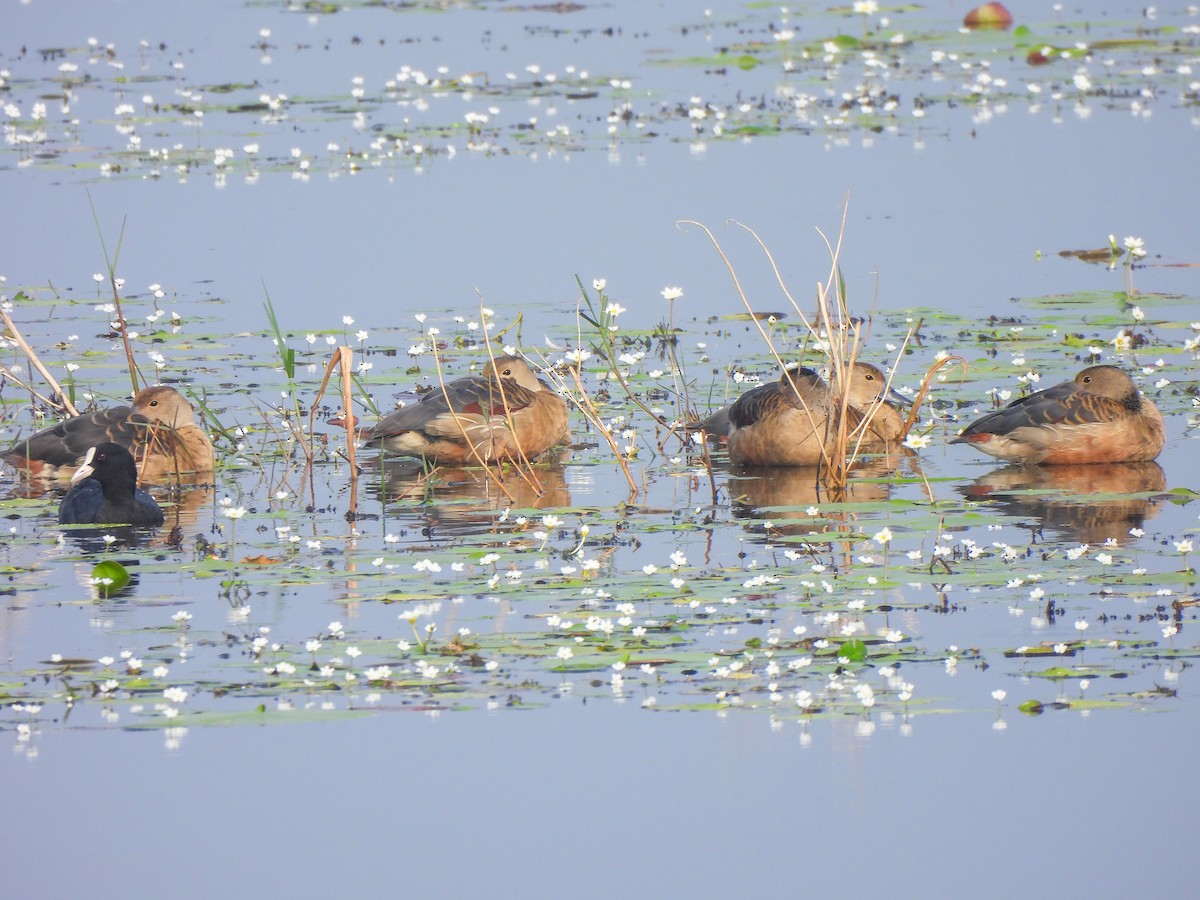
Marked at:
<point>990,15</point>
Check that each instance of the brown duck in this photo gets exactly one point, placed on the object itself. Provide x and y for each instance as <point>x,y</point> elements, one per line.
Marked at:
<point>504,413</point>
<point>792,422</point>
<point>160,430</point>
<point>1098,417</point>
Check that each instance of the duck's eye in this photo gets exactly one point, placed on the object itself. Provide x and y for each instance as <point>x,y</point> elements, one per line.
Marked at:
<point>506,372</point>
<point>870,377</point>
<point>1087,379</point>
<point>154,403</point>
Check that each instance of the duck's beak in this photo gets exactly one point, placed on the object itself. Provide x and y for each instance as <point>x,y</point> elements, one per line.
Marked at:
<point>85,470</point>
<point>895,398</point>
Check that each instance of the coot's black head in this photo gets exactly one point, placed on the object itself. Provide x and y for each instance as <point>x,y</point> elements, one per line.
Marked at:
<point>110,464</point>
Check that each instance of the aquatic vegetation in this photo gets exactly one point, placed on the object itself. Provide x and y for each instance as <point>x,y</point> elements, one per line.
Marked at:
<point>707,590</point>
<point>900,72</point>
<point>638,567</point>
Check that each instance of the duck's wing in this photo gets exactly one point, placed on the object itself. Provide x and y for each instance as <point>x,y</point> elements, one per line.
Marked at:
<point>756,405</point>
<point>1062,405</point>
<point>471,398</point>
<point>66,443</point>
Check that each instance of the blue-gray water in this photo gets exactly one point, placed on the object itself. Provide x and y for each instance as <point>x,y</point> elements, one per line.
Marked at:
<point>585,798</point>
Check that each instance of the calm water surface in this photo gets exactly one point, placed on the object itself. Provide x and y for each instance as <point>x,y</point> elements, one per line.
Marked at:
<point>584,793</point>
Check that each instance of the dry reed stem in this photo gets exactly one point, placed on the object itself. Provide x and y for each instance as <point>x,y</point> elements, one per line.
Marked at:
<point>148,449</point>
<point>531,479</point>
<point>677,376</point>
<point>347,357</point>
<point>65,401</point>
<point>335,361</point>
<point>523,465</point>
<point>9,376</point>
<point>755,319</point>
<point>615,369</point>
<point>342,359</point>
<point>585,405</point>
<point>845,339</point>
<point>493,476</point>
<point>915,412</point>
<point>122,325</point>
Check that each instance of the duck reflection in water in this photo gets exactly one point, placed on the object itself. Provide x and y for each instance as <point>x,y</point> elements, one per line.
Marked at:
<point>786,494</point>
<point>1088,503</point>
<point>465,499</point>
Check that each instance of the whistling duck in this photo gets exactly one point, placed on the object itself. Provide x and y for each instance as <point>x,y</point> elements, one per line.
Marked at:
<point>504,413</point>
<point>793,421</point>
<point>1098,417</point>
<point>160,429</point>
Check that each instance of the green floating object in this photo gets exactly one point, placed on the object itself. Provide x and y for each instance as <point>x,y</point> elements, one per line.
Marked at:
<point>853,650</point>
<point>110,577</point>
<point>1032,708</point>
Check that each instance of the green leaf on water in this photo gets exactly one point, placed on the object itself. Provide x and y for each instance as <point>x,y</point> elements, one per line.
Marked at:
<point>853,650</point>
<point>1059,673</point>
<point>1181,495</point>
<point>110,577</point>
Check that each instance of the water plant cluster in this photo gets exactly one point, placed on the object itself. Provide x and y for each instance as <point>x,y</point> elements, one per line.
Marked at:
<point>152,110</point>
<point>637,567</point>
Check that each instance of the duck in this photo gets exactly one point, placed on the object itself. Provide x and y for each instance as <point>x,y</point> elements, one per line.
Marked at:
<point>159,428</point>
<point>104,491</point>
<point>503,413</point>
<point>1099,416</point>
<point>792,422</point>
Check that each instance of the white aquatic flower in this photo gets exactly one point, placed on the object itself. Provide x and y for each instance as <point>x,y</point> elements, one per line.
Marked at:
<point>1135,246</point>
